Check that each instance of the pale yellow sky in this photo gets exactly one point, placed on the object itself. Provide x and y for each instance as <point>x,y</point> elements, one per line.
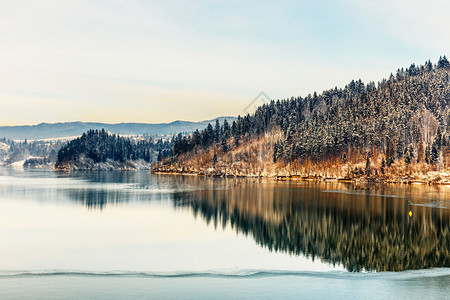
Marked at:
<point>154,61</point>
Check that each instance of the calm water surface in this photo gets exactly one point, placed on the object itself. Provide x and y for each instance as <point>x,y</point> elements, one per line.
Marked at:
<point>137,235</point>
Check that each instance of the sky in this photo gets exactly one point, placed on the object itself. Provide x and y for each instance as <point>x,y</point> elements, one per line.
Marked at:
<point>159,61</point>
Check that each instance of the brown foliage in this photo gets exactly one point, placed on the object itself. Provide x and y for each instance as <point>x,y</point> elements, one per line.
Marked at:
<point>254,158</point>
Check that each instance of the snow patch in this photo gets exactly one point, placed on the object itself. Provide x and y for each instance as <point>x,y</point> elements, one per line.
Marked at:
<point>18,164</point>
<point>4,147</point>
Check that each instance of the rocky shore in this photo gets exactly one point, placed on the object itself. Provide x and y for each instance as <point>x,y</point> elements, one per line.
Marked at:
<point>432,177</point>
<point>86,164</point>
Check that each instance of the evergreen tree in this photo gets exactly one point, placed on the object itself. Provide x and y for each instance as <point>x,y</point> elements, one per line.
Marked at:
<point>226,129</point>
<point>420,150</point>
<point>428,159</point>
<point>368,169</point>
<point>217,132</point>
<point>443,62</point>
<point>434,155</point>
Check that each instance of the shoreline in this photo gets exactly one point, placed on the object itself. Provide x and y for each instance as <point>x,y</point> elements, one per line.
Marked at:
<point>364,180</point>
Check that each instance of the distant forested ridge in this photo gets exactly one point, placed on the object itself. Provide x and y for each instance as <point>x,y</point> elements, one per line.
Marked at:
<point>98,149</point>
<point>72,129</point>
<point>398,125</point>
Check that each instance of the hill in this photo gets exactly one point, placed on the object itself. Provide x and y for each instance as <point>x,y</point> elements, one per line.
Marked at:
<point>99,150</point>
<point>396,130</point>
<point>70,129</point>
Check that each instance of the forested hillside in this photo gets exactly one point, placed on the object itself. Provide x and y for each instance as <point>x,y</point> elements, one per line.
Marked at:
<point>97,149</point>
<point>396,127</point>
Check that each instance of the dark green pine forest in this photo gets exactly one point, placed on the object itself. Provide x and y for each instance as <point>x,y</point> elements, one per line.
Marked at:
<point>99,146</point>
<point>400,121</point>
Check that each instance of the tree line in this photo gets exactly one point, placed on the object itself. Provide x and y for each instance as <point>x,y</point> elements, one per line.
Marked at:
<point>99,146</point>
<point>405,116</point>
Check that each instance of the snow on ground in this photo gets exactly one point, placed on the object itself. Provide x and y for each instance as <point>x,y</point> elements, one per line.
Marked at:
<point>18,164</point>
<point>4,147</point>
<point>66,138</point>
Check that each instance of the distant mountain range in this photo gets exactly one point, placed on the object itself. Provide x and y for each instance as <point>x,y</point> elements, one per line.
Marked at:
<point>68,129</point>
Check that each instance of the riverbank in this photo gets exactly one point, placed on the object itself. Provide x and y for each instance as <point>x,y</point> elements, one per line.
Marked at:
<point>86,164</point>
<point>432,177</point>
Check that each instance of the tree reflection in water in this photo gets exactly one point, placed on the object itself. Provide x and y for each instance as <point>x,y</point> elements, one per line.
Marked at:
<point>337,223</point>
<point>365,230</point>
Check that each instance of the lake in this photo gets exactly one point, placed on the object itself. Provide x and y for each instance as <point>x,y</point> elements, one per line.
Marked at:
<point>134,235</point>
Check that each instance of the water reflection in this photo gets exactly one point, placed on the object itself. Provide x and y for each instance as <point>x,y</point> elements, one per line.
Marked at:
<point>340,224</point>
<point>361,231</point>
<point>110,188</point>
<point>359,227</point>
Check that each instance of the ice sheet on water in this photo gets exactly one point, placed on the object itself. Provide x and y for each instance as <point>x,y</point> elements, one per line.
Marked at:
<point>403,275</point>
